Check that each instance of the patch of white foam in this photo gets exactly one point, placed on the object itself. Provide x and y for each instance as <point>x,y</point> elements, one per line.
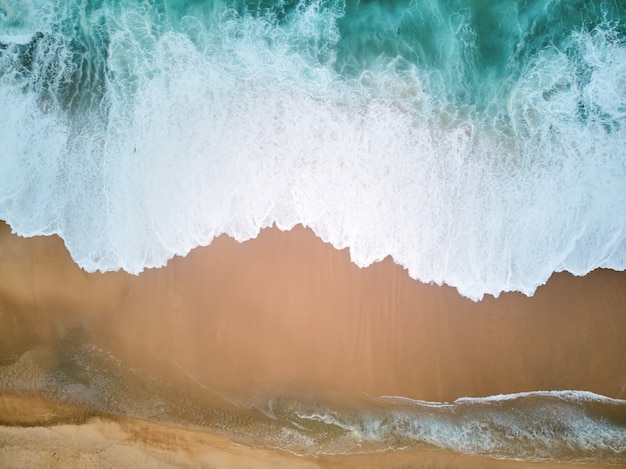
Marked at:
<point>19,38</point>
<point>526,426</point>
<point>232,129</point>
<point>564,395</point>
<point>553,424</point>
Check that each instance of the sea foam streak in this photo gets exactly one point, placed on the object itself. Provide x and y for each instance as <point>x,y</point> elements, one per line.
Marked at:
<point>571,426</point>
<point>139,132</point>
<point>565,425</point>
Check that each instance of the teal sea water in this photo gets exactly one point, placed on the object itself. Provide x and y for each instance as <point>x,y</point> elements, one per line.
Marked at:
<point>480,144</point>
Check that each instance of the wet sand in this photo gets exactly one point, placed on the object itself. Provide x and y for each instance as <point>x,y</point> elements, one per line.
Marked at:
<point>104,441</point>
<point>287,313</point>
<point>286,309</point>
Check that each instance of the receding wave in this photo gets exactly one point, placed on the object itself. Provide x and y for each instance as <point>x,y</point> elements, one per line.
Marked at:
<point>479,145</point>
<point>573,426</point>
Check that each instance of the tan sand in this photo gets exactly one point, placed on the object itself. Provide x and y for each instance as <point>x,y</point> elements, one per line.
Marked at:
<point>106,441</point>
<point>288,313</point>
<point>287,310</point>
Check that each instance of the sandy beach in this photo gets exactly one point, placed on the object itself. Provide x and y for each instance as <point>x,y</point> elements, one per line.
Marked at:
<point>282,313</point>
<point>100,441</point>
<point>286,211</point>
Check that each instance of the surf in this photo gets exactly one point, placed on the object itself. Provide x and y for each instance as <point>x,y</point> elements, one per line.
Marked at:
<point>566,426</point>
<point>478,146</point>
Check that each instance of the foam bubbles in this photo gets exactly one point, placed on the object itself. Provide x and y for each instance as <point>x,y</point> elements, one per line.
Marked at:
<point>173,128</point>
<point>547,425</point>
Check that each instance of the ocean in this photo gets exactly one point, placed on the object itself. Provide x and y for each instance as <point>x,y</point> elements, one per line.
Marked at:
<point>479,145</point>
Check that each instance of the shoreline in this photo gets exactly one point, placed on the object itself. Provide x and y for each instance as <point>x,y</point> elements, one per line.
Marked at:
<point>287,311</point>
<point>284,314</point>
<point>101,440</point>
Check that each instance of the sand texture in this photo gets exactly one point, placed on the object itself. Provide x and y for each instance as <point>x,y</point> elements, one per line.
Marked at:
<point>284,313</point>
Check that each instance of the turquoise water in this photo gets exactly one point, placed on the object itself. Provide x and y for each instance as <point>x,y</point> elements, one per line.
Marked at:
<point>481,144</point>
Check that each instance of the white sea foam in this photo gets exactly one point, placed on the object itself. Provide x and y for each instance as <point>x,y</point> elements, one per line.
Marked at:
<point>565,425</point>
<point>563,395</point>
<point>238,125</point>
<point>17,38</point>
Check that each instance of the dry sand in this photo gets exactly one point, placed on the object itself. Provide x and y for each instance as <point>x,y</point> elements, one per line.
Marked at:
<point>287,312</point>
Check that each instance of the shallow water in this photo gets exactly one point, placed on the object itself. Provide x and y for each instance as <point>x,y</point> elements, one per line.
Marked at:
<point>565,426</point>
